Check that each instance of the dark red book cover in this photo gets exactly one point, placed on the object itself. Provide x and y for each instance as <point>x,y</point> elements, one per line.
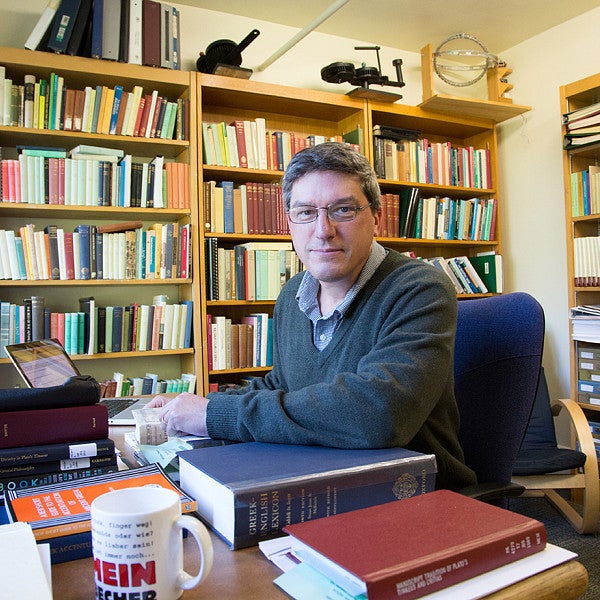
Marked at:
<point>151,37</point>
<point>53,425</point>
<point>241,143</point>
<point>418,545</point>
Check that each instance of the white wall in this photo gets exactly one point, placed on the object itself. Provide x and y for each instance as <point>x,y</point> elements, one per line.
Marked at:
<point>530,145</point>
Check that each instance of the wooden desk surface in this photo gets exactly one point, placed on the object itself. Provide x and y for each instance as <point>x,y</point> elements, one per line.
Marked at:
<point>247,574</point>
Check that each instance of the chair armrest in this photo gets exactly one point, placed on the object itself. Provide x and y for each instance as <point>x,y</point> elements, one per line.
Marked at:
<point>580,426</point>
<point>492,491</point>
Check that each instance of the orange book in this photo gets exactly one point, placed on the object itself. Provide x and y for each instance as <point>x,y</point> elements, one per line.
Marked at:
<point>38,506</point>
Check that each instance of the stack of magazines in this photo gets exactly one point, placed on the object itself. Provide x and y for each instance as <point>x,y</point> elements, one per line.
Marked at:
<point>585,323</point>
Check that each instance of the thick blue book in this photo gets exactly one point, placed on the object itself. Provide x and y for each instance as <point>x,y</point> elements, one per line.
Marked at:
<point>247,492</point>
<point>227,205</point>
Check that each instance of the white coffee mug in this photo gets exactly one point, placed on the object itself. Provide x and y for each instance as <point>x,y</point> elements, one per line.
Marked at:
<point>138,546</point>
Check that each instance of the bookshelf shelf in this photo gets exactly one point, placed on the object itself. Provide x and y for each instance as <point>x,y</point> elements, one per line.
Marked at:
<point>496,111</point>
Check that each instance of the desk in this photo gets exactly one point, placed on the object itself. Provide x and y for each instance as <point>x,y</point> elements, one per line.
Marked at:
<point>248,575</point>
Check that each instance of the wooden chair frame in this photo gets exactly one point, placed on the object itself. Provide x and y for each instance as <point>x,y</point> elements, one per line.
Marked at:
<point>584,484</point>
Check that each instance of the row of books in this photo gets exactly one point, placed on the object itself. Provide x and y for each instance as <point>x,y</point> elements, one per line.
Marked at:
<point>52,104</point>
<point>96,177</point>
<point>442,218</point>
<point>250,144</point>
<point>135,31</point>
<point>425,161</point>
<point>240,345</point>
<point>585,192</point>
<point>582,126</point>
<point>250,271</point>
<point>162,251</point>
<point>150,383</point>
<point>468,278</point>
<point>95,329</point>
<point>586,261</point>
<point>252,207</point>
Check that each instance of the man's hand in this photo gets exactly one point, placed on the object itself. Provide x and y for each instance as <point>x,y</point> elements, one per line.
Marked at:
<point>183,414</point>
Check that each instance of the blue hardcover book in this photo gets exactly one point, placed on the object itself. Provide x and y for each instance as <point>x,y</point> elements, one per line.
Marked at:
<point>247,492</point>
<point>114,114</point>
<point>84,251</point>
<point>62,25</point>
<point>227,205</point>
<point>187,340</point>
<point>97,18</point>
<point>117,328</point>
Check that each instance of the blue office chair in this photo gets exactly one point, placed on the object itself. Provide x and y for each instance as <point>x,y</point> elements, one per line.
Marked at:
<point>498,353</point>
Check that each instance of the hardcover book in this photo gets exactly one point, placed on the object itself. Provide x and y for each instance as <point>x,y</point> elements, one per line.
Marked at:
<point>53,425</point>
<point>248,492</point>
<point>412,548</point>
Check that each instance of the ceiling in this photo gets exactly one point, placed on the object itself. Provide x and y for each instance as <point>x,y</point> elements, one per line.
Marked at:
<point>411,24</point>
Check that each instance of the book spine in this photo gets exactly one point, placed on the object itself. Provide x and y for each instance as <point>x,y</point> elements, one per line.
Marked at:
<point>65,548</point>
<point>26,482</point>
<point>456,565</point>
<point>53,425</point>
<point>55,466</point>
<point>55,452</point>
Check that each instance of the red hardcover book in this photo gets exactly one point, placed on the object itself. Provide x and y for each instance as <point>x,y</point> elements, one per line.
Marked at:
<point>145,115</point>
<point>414,547</point>
<point>69,258</point>
<point>53,425</point>
<point>240,137</point>
<point>138,118</point>
<point>151,33</point>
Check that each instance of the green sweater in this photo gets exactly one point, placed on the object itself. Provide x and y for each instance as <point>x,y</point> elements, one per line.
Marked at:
<point>385,379</point>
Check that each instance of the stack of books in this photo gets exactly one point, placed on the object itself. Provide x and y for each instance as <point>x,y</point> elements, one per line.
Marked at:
<point>135,31</point>
<point>413,548</point>
<point>68,531</point>
<point>582,126</point>
<point>43,445</point>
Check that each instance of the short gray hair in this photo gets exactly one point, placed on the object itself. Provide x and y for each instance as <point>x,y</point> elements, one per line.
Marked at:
<point>336,157</point>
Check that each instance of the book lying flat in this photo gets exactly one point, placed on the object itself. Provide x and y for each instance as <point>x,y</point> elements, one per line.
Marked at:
<point>39,506</point>
<point>415,547</point>
<point>248,492</point>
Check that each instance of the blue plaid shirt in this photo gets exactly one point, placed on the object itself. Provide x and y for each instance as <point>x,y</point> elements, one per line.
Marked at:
<point>324,326</point>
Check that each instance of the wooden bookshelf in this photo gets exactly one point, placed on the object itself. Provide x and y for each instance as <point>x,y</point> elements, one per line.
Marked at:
<point>575,95</point>
<point>63,295</point>
<point>305,112</point>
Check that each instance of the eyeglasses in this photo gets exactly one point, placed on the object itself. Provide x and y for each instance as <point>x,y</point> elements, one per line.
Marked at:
<point>335,212</point>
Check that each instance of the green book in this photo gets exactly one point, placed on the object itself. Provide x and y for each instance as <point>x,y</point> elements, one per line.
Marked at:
<point>489,268</point>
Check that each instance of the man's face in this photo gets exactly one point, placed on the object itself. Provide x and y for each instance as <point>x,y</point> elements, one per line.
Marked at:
<point>333,252</point>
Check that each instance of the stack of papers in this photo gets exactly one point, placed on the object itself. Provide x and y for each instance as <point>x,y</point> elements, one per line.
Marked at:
<point>585,323</point>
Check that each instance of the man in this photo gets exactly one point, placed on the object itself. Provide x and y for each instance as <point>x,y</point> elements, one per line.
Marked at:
<point>363,345</point>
